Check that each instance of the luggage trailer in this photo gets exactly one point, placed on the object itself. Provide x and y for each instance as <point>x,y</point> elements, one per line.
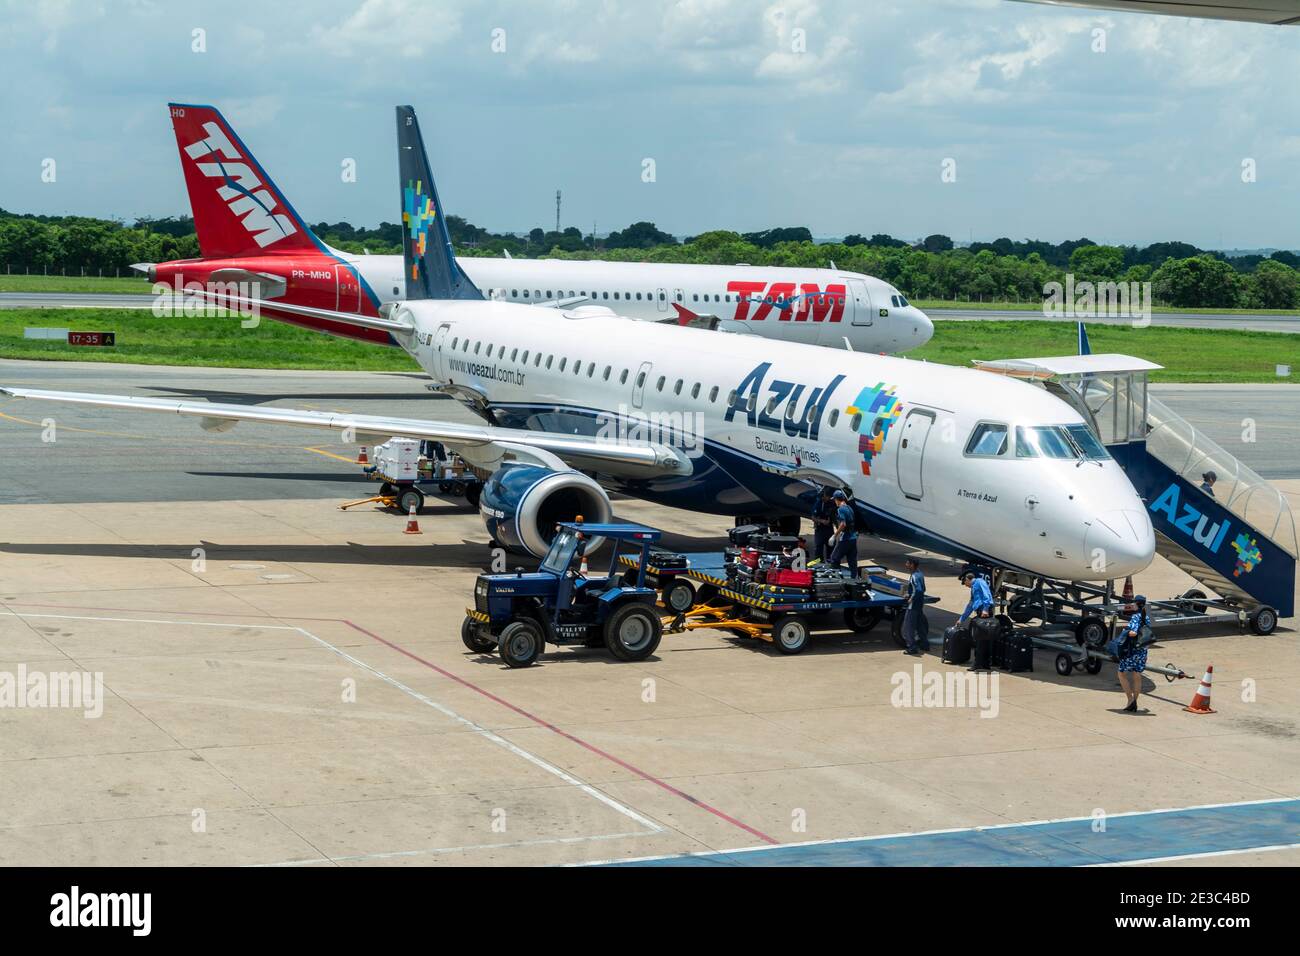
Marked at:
<point>410,470</point>
<point>1079,618</point>
<point>695,588</point>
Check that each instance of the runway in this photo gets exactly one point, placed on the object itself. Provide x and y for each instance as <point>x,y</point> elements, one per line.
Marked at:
<point>1244,321</point>
<point>101,455</point>
<point>74,300</point>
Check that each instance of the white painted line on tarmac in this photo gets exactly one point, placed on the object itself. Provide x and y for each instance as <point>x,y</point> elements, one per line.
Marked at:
<point>650,825</point>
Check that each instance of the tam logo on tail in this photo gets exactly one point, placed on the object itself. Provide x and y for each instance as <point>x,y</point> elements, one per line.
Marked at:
<point>241,189</point>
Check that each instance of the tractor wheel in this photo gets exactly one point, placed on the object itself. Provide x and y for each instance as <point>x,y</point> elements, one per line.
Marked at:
<point>633,632</point>
<point>470,637</point>
<point>862,619</point>
<point>789,634</point>
<point>521,642</point>
<point>408,497</point>
<point>1263,621</point>
<point>678,595</point>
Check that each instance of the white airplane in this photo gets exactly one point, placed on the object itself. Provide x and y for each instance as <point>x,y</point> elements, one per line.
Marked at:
<point>579,402</point>
<point>247,229</point>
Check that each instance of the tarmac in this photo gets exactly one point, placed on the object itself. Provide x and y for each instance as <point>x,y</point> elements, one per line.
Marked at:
<point>284,684</point>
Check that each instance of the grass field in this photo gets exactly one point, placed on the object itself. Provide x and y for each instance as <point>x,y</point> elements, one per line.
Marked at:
<point>1189,355</point>
<point>136,284</point>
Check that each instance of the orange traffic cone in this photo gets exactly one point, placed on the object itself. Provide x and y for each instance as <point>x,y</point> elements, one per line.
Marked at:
<point>1129,607</point>
<point>363,459</point>
<point>412,525</point>
<point>1201,702</point>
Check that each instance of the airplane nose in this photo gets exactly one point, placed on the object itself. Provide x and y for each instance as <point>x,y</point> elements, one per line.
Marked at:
<point>1120,543</point>
<point>922,328</point>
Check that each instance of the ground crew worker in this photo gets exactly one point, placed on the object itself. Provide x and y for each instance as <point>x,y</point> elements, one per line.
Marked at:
<point>846,535</point>
<point>981,605</point>
<point>916,629</point>
<point>823,516</point>
<point>1132,664</point>
<point>1207,482</point>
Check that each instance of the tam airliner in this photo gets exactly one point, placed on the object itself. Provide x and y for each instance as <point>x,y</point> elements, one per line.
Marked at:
<point>248,232</point>
<point>576,403</point>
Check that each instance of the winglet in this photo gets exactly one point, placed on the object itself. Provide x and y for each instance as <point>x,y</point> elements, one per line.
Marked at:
<point>427,256</point>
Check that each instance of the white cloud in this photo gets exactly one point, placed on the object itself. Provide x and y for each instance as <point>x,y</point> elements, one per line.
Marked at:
<point>408,28</point>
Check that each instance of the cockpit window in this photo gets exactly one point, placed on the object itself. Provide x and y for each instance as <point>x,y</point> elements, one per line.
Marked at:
<point>1044,441</point>
<point>988,440</point>
<point>902,300</point>
<point>1083,437</point>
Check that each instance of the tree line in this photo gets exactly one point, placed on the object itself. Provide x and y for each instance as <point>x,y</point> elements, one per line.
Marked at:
<point>1180,274</point>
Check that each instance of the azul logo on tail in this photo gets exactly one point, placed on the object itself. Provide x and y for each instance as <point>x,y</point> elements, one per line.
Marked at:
<point>241,188</point>
<point>418,214</point>
<point>785,409</point>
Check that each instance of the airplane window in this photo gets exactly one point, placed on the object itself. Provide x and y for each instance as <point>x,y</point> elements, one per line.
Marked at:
<point>1047,441</point>
<point>662,296</point>
<point>902,300</point>
<point>454,343</point>
<point>501,352</point>
<point>616,295</point>
<point>677,389</point>
<point>465,347</point>
<point>549,294</point>
<point>790,411</point>
<point>476,345</point>
<point>681,297</point>
<point>713,394</point>
<point>812,412</point>
<point>695,391</point>
<point>537,362</point>
<point>514,293</point>
<point>608,369</point>
<point>989,439</point>
<point>731,397</point>
<point>771,405</point>
<point>638,296</point>
<point>753,402</point>
<point>622,379</point>
<point>396,291</point>
<point>606,295</point>
<point>577,367</point>
<point>659,385</point>
<point>1083,437</point>
<point>640,380</point>
<point>525,293</point>
<point>591,369</point>
<point>856,421</point>
<point>514,354</point>
<point>563,362</point>
<point>571,295</point>
<point>537,293</point>
<point>548,360</point>
<point>695,297</point>
<point>835,416</point>
<point>525,361</point>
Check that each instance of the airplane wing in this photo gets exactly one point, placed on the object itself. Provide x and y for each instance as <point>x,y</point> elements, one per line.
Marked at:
<point>245,305</point>
<point>485,446</point>
<point>1278,12</point>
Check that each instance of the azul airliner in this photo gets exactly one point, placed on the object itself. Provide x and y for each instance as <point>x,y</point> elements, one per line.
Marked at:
<point>579,402</point>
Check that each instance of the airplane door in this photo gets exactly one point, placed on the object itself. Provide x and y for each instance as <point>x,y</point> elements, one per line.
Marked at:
<point>911,452</point>
<point>638,384</point>
<point>860,302</point>
<point>661,296</point>
<point>348,297</point>
<point>435,349</point>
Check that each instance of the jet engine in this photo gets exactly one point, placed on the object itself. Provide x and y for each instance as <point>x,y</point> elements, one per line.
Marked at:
<point>521,503</point>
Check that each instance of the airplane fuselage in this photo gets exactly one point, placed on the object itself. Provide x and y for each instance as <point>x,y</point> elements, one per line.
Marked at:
<point>757,421</point>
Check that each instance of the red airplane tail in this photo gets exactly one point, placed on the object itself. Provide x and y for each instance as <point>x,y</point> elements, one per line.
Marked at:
<point>238,211</point>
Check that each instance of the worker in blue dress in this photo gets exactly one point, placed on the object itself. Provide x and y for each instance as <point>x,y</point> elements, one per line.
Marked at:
<point>981,605</point>
<point>916,629</point>
<point>1134,662</point>
<point>846,543</point>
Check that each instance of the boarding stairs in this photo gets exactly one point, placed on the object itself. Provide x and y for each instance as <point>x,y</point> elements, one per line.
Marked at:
<point>1240,541</point>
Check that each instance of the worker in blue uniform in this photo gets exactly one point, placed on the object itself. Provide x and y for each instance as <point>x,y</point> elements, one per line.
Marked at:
<point>980,605</point>
<point>823,516</point>
<point>846,535</point>
<point>916,629</point>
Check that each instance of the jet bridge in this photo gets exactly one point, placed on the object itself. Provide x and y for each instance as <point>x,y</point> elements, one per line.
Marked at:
<point>1239,541</point>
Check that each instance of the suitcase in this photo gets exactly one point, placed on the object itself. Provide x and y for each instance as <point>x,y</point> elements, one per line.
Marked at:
<point>956,645</point>
<point>667,560</point>
<point>741,534</point>
<point>789,578</point>
<point>773,543</point>
<point>1019,653</point>
<point>985,628</point>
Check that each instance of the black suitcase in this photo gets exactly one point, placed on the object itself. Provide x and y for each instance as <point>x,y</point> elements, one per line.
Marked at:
<point>773,543</point>
<point>1019,653</point>
<point>741,534</point>
<point>667,560</point>
<point>956,644</point>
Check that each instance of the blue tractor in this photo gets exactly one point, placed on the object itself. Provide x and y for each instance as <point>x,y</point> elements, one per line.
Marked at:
<point>518,614</point>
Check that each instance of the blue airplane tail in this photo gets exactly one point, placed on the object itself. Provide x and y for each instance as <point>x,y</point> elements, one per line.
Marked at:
<point>427,256</point>
<point>1085,348</point>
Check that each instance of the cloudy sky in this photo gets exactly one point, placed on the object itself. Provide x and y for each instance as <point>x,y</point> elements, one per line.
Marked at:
<point>837,114</point>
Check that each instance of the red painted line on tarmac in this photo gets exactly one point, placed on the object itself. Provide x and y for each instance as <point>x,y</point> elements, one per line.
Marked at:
<point>450,676</point>
<point>568,736</point>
